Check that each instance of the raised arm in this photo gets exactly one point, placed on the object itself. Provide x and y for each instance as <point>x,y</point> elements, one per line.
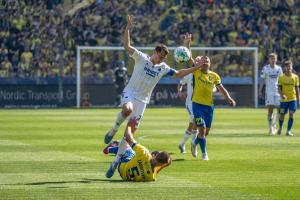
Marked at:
<point>187,38</point>
<point>225,93</point>
<point>183,72</point>
<point>127,45</point>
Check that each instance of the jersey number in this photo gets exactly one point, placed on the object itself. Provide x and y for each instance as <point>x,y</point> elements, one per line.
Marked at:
<point>199,121</point>
<point>132,170</point>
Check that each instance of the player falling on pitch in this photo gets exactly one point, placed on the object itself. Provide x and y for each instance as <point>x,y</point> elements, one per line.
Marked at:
<point>134,161</point>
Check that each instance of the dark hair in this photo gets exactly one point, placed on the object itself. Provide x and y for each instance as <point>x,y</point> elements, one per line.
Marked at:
<point>154,153</point>
<point>162,157</point>
<point>286,62</point>
<point>161,47</point>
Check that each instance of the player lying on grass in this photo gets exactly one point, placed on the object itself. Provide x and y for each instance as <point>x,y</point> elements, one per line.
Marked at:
<point>147,71</point>
<point>134,161</point>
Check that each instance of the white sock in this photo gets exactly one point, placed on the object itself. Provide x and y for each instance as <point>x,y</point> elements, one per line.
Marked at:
<point>270,121</point>
<point>195,134</point>
<point>186,136</point>
<point>275,118</point>
<point>120,119</point>
<point>123,145</point>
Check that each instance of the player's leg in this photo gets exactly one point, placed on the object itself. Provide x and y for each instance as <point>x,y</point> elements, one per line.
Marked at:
<point>191,130</point>
<point>188,132</point>
<point>111,148</point>
<point>292,110</point>
<point>282,111</point>
<point>127,108</point>
<point>123,147</point>
<point>135,118</point>
<point>275,113</point>
<point>199,115</point>
<point>209,112</point>
<point>270,104</point>
<point>270,118</point>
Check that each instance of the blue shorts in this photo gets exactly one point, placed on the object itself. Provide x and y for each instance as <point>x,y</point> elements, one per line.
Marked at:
<point>285,106</point>
<point>203,114</point>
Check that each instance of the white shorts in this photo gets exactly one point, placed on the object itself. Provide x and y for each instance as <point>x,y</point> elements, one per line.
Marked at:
<point>189,108</point>
<point>138,107</point>
<point>272,100</point>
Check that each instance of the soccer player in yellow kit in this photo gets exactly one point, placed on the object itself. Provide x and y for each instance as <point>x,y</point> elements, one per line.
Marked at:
<point>289,96</point>
<point>135,162</point>
<point>204,83</point>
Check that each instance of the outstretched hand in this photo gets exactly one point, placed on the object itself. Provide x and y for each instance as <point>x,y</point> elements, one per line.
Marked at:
<point>130,21</point>
<point>187,38</point>
<point>232,102</point>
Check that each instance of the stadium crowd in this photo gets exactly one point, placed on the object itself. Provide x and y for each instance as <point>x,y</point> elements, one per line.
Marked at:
<point>38,38</point>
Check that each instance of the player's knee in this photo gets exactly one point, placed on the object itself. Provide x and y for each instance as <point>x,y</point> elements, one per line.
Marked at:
<point>202,132</point>
<point>127,110</point>
<point>133,123</point>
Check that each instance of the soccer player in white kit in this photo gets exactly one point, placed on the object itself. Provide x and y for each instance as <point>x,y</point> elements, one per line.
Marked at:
<point>269,77</point>
<point>146,74</point>
<point>192,128</point>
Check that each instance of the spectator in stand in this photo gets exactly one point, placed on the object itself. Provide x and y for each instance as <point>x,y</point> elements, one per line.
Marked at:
<point>269,25</point>
<point>121,79</point>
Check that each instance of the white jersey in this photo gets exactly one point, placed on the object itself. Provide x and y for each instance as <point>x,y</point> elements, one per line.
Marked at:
<point>188,80</point>
<point>271,75</point>
<point>145,76</point>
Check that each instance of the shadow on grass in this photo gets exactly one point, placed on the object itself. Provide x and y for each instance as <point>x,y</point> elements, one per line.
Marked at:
<point>83,180</point>
<point>240,135</point>
<point>180,159</point>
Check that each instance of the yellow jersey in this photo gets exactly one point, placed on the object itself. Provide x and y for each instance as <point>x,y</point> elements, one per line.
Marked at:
<point>203,86</point>
<point>139,167</point>
<point>288,84</point>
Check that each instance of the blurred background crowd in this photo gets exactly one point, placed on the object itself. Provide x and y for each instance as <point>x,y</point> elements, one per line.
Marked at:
<point>38,38</point>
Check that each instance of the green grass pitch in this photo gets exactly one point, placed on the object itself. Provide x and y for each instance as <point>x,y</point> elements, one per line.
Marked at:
<point>56,154</point>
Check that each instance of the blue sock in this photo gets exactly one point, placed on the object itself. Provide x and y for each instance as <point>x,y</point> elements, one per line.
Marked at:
<point>113,150</point>
<point>203,145</point>
<point>290,124</point>
<point>280,123</point>
<point>197,140</point>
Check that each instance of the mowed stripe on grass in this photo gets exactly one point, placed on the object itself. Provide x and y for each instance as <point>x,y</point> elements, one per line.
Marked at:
<point>56,154</point>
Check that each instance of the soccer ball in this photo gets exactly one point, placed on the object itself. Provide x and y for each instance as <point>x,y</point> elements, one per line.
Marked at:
<point>182,54</point>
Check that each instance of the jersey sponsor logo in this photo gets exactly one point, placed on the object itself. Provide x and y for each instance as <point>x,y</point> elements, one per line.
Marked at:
<point>273,75</point>
<point>150,72</point>
<point>205,81</point>
<point>141,168</point>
